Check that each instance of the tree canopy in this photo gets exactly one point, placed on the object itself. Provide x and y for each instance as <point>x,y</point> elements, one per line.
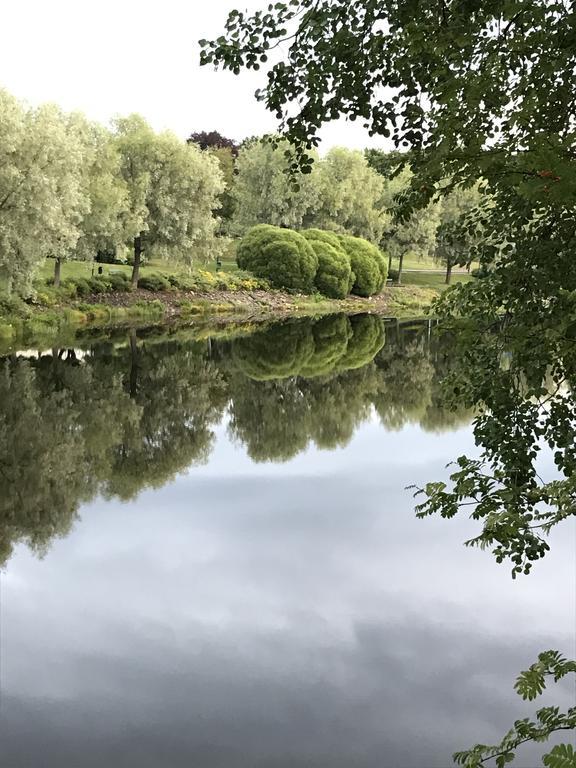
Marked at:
<point>173,189</point>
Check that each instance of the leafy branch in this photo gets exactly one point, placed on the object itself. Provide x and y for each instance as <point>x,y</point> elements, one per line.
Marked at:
<point>549,720</point>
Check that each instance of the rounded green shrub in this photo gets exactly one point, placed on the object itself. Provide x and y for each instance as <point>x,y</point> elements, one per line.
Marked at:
<point>310,349</point>
<point>366,340</point>
<point>382,260</point>
<point>99,284</point>
<point>334,275</point>
<point>368,264</point>
<point>276,353</point>
<point>282,256</point>
<point>325,236</point>
<point>154,282</point>
<point>83,287</point>
<point>330,335</point>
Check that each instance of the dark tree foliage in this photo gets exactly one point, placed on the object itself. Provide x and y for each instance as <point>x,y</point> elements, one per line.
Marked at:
<point>213,140</point>
<point>471,88</point>
<point>387,164</point>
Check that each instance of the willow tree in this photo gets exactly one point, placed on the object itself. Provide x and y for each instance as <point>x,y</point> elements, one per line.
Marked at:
<point>67,418</point>
<point>178,395</point>
<point>103,224</point>
<point>42,200</point>
<point>455,246</point>
<point>173,189</point>
<point>415,233</point>
<point>350,196</point>
<point>261,190</point>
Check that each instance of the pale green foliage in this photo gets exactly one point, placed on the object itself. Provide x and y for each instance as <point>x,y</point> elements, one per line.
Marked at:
<point>42,200</point>
<point>103,226</point>
<point>173,189</point>
<point>225,159</point>
<point>454,244</point>
<point>262,192</point>
<point>415,235</point>
<point>350,196</point>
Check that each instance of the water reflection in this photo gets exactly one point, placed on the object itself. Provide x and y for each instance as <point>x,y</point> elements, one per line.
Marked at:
<point>121,417</point>
<point>214,604</point>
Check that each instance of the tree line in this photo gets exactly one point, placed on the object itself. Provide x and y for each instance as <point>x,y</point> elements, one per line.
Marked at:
<point>72,189</point>
<point>345,191</point>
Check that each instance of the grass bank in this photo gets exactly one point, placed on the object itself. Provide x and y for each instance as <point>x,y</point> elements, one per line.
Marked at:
<point>56,314</point>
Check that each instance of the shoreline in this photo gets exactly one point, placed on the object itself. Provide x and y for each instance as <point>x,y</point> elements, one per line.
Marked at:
<point>172,309</point>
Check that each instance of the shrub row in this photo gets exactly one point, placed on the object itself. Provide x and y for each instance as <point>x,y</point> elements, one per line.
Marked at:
<point>335,265</point>
<point>155,282</point>
<point>328,346</point>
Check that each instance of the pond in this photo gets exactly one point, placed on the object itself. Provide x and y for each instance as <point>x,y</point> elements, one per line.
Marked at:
<point>211,558</point>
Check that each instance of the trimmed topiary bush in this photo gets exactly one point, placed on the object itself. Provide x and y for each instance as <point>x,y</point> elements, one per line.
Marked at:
<point>325,236</point>
<point>277,353</point>
<point>282,256</point>
<point>368,264</point>
<point>334,276</point>
<point>331,335</point>
<point>366,340</point>
<point>310,349</point>
<point>382,260</point>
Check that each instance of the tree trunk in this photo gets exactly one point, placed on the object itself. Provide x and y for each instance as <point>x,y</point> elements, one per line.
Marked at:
<point>448,272</point>
<point>137,259</point>
<point>389,263</point>
<point>400,262</point>
<point>57,271</point>
<point>133,363</point>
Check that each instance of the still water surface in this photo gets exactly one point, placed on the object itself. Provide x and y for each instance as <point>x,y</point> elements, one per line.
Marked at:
<point>210,558</point>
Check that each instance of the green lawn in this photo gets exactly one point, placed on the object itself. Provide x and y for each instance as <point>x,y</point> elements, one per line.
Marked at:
<point>432,280</point>
<point>423,277</point>
<point>422,265</point>
<point>84,268</point>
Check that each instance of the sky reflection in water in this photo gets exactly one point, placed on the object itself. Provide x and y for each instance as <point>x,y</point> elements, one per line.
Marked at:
<point>274,614</point>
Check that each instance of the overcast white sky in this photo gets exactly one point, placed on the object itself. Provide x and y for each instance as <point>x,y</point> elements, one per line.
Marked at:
<point>121,56</point>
